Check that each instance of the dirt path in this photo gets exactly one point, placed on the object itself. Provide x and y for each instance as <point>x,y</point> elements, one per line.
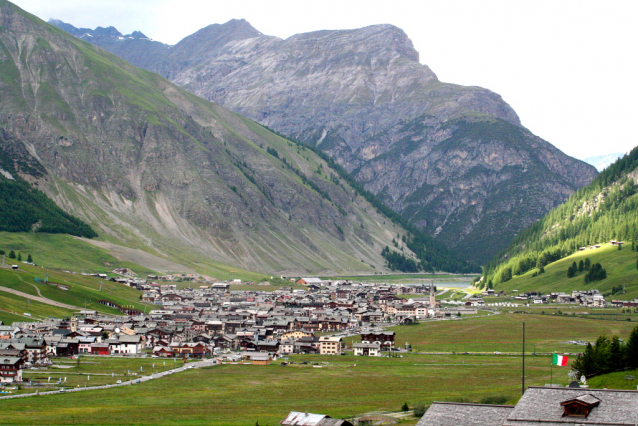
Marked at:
<point>33,285</point>
<point>40,299</point>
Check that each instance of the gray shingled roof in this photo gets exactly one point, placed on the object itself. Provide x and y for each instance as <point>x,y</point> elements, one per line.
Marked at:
<point>458,414</point>
<point>543,404</point>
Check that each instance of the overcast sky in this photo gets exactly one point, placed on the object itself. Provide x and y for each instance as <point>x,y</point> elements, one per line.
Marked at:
<point>568,68</point>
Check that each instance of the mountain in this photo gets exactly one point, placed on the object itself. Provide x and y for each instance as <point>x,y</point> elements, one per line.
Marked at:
<point>602,161</point>
<point>602,211</point>
<point>153,167</point>
<point>454,160</point>
<point>24,208</point>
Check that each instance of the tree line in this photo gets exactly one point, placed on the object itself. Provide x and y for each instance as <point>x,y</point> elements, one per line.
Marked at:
<point>27,209</point>
<point>601,211</point>
<point>607,355</point>
<point>432,254</point>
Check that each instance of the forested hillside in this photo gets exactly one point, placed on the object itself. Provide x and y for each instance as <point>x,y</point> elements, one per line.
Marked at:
<point>602,211</point>
<point>24,208</point>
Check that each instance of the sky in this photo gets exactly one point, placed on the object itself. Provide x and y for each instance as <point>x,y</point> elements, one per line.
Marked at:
<point>569,68</point>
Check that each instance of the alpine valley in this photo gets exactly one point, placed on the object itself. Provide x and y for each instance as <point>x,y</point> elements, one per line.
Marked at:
<point>455,161</point>
<point>152,167</point>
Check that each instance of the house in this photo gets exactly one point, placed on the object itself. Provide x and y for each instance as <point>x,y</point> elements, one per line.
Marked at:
<point>542,405</point>
<point>384,338</point>
<point>11,369</point>
<point>330,345</point>
<point>367,349</point>
<point>125,344</point>
<point>295,418</point>
<point>259,358</point>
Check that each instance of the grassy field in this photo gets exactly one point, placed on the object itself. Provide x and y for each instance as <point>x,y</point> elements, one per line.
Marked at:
<point>244,394</point>
<point>503,333</point>
<point>344,386</point>
<point>619,264</point>
<point>96,370</point>
<point>82,291</point>
<point>64,252</point>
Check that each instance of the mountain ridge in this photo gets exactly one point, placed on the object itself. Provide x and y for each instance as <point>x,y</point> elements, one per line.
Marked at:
<point>362,97</point>
<point>158,168</point>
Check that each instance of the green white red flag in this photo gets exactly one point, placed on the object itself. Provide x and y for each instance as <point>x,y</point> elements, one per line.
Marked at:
<point>559,360</point>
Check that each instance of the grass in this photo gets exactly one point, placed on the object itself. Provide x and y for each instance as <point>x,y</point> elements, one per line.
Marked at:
<point>619,264</point>
<point>503,333</point>
<point>244,394</point>
<point>83,291</point>
<point>61,251</point>
<point>619,380</point>
<point>344,386</point>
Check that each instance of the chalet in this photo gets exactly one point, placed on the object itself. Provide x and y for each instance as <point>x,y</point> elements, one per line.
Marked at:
<point>100,349</point>
<point>367,349</point>
<point>11,369</point>
<point>384,338</point>
<point>129,345</point>
<point>286,347</point>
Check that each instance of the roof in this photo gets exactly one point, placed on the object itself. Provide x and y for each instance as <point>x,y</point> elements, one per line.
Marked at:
<point>458,414</point>
<point>296,418</point>
<point>541,406</point>
<point>616,407</point>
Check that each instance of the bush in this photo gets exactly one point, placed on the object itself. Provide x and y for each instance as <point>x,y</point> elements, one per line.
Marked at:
<point>405,407</point>
<point>419,410</point>
<point>494,400</point>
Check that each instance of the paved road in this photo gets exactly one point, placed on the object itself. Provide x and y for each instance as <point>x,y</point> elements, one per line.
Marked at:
<point>137,379</point>
<point>40,299</point>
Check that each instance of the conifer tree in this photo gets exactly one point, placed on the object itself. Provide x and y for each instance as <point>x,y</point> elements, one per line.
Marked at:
<point>12,254</point>
<point>29,258</point>
<point>19,257</point>
<point>631,349</point>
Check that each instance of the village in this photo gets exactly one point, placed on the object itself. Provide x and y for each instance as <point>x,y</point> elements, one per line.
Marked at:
<point>312,316</point>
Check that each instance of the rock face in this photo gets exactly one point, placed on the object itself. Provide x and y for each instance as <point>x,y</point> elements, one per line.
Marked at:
<point>453,159</point>
<point>152,166</point>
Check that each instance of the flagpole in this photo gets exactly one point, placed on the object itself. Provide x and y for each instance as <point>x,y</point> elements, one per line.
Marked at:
<point>551,374</point>
<point>523,378</point>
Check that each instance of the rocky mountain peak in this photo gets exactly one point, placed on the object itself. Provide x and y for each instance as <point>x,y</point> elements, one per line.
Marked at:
<point>137,35</point>
<point>372,39</point>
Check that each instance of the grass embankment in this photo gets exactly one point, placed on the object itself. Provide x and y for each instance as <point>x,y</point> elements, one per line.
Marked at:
<point>619,264</point>
<point>344,387</point>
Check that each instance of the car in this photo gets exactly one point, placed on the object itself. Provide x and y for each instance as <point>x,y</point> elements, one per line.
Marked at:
<point>497,353</point>
<point>119,382</point>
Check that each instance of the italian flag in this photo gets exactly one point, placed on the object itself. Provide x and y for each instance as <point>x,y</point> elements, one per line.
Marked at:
<point>559,360</point>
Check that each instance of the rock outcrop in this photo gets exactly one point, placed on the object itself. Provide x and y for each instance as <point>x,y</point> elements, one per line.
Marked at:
<point>152,166</point>
<point>453,159</point>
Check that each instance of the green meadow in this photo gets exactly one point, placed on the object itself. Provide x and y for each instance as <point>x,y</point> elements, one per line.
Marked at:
<point>619,264</point>
<point>340,386</point>
<point>78,290</point>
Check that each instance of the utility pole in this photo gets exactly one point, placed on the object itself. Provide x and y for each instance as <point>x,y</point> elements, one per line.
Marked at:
<point>523,378</point>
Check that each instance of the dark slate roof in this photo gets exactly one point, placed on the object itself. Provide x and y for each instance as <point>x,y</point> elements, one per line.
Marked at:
<point>458,414</point>
<point>539,404</point>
